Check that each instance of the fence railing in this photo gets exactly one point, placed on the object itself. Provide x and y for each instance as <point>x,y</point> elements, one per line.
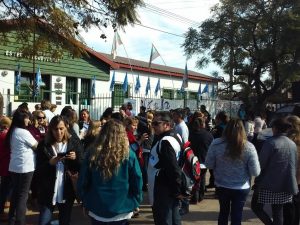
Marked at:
<point>97,105</point>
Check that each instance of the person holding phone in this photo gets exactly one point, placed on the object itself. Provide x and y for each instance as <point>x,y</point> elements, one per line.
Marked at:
<point>58,159</point>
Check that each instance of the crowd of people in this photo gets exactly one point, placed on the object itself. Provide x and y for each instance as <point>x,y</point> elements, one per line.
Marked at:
<point>52,160</point>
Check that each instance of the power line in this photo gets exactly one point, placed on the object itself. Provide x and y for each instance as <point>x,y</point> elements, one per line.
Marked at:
<point>174,2</point>
<point>152,28</point>
<point>170,15</point>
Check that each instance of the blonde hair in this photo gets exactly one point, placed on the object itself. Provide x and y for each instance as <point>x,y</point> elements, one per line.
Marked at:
<point>93,129</point>
<point>5,122</point>
<point>235,137</point>
<point>36,114</point>
<point>110,148</point>
<point>130,121</point>
<point>150,116</point>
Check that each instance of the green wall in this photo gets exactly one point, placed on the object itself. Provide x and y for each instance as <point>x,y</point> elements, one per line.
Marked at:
<point>84,67</point>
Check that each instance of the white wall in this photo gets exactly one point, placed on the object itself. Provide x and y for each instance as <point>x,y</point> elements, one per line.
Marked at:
<point>165,82</point>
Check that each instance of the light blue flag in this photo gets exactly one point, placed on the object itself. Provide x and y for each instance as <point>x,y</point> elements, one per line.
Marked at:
<point>137,84</point>
<point>182,88</point>
<point>18,79</point>
<point>37,83</point>
<point>199,89</point>
<point>184,80</point>
<point>157,88</point>
<point>112,83</point>
<point>212,94</point>
<point>205,90</point>
<point>94,86</point>
<point>125,84</point>
<point>148,86</point>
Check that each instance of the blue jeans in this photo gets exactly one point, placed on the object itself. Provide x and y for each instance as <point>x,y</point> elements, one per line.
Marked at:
<point>121,222</point>
<point>231,201</point>
<point>64,216</point>
<point>21,185</point>
<point>165,207</point>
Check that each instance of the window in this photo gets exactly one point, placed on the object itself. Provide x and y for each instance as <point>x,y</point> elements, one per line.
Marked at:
<point>71,90</point>
<point>85,91</point>
<point>119,95</point>
<point>193,95</point>
<point>25,93</point>
<point>181,95</point>
<point>168,94</point>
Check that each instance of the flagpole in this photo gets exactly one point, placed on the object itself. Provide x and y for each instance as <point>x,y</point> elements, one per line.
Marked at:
<point>130,69</point>
<point>114,53</point>
<point>163,62</point>
<point>169,72</point>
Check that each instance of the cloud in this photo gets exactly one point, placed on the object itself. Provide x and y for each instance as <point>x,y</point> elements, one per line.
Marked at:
<point>138,39</point>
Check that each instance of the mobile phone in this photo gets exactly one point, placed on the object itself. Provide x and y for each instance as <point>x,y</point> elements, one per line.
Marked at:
<point>61,154</point>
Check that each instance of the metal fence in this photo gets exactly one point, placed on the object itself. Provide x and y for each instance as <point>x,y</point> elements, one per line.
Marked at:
<point>97,105</point>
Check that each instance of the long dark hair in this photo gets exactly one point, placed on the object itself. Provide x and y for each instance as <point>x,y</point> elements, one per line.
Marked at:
<point>17,122</point>
<point>236,138</point>
<point>49,139</point>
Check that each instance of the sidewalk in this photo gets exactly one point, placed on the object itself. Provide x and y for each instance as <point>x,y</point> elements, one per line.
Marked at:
<point>204,213</point>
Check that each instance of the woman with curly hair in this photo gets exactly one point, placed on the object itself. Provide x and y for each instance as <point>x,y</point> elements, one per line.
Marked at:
<point>110,179</point>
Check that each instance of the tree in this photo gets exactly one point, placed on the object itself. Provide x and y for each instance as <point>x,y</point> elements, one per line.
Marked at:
<point>60,21</point>
<point>256,42</point>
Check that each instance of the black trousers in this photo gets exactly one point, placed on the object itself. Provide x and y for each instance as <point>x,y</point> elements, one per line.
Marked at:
<point>258,209</point>
<point>165,207</point>
<point>291,211</point>
<point>21,185</point>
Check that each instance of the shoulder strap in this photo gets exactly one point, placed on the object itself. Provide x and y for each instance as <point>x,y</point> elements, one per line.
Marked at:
<point>175,142</point>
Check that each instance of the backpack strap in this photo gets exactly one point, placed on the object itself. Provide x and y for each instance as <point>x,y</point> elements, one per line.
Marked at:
<point>176,143</point>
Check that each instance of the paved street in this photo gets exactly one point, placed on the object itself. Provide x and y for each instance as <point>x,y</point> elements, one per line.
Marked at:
<point>204,213</point>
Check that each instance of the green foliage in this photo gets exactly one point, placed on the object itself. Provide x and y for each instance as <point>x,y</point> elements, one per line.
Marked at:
<point>60,21</point>
<point>256,42</point>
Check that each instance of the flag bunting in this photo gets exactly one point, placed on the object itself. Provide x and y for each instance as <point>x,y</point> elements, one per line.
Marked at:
<point>125,84</point>
<point>137,84</point>
<point>157,88</point>
<point>148,86</point>
<point>94,86</point>
<point>18,79</point>
<point>112,83</point>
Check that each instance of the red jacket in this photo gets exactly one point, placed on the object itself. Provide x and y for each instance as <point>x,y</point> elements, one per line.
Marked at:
<point>135,147</point>
<point>4,155</point>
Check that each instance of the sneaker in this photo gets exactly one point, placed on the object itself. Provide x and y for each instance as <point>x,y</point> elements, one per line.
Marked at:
<point>136,214</point>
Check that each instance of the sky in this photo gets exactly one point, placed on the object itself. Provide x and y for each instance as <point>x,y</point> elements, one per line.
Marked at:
<point>137,40</point>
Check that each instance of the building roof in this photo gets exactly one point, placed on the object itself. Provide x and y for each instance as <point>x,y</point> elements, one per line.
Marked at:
<point>138,65</point>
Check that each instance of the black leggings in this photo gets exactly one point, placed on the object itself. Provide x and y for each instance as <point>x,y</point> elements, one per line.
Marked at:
<point>258,209</point>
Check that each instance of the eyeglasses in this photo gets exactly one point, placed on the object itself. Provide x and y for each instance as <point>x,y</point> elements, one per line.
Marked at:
<point>156,123</point>
<point>41,117</point>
